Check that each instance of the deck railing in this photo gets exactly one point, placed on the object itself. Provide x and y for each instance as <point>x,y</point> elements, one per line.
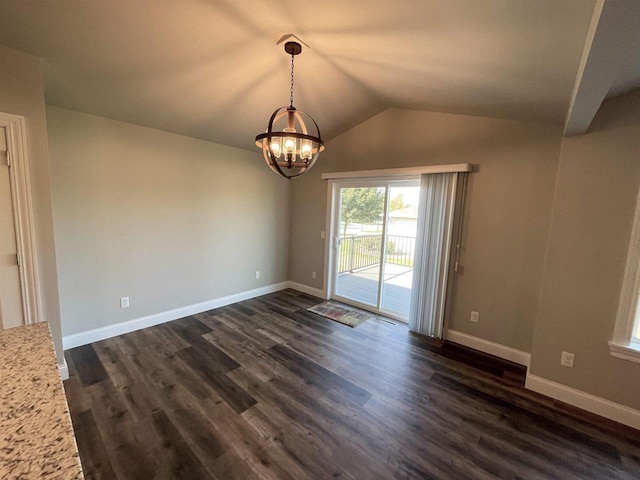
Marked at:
<point>358,252</point>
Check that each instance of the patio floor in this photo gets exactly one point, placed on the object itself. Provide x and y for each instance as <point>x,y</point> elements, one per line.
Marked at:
<point>362,286</point>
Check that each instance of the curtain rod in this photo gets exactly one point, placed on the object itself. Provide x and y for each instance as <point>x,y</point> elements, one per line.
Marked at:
<point>386,172</point>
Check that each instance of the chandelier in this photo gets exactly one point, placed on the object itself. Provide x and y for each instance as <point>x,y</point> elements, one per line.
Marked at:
<point>292,142</point>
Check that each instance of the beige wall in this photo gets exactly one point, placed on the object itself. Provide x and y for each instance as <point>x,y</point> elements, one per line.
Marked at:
<point>164,219</point>
<point>22,93</point>
<point>598,179</point>
<point>507,210</point>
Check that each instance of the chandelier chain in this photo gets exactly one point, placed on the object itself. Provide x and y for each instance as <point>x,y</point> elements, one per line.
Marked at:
<point>291,91</point>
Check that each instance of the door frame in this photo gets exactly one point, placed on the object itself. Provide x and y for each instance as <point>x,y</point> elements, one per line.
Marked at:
<point>330,248</point>
<point>20,180</point>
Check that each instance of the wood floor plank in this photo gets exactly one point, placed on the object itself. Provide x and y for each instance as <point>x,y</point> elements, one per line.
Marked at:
<point>264,389</point>
<point>245,441</point>
<point>163,340</point>
<point>230,465</point>
<point>78,398</point>
<point>306,435</point>
<point>95,460</point>
<point>237,398</point>
<point>193,333</point>
<point>250,356</point>
<point>316,374</point>
<point>197,428</point>
<point>171,387</point>
<point>88,365</point>
<point>178,461</point>
<point>247,326</point>
<point>127,445</point>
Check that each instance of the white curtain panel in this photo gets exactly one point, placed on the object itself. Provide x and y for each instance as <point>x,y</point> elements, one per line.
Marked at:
<point>433,245</point>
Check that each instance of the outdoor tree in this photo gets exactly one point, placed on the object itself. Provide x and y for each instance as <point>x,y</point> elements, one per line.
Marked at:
<point>361,205</point>
<point>397,203</point>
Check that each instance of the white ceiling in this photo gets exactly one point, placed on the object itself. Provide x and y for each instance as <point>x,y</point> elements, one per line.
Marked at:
<point>610,63</point>
<point>628,77</point>
<point>211,69</point>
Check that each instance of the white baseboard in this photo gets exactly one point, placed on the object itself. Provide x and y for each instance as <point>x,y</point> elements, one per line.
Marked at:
<point>496,349</point>
<point>307,289</point>
<point>102,333</point>
<point>64,370</point>
<point>586,401</point>
<point>577,398</point>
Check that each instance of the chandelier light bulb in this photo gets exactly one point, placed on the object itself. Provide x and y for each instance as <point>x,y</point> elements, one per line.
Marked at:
<point>289,143</point>
<point>305,150</point>
<point>275,148</point>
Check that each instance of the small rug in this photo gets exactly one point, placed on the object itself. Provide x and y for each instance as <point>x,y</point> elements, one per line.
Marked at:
<point>340,313</point>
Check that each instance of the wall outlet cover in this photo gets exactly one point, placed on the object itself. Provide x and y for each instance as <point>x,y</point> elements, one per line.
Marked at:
<point>567,359</point>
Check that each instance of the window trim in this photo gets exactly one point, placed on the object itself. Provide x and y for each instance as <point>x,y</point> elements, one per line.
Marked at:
<point>623,345</point>
<point>392,172</point>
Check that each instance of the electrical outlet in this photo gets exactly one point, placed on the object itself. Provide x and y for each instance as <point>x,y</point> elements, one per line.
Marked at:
<point>257,274</point>
<point>124,302</point>
<point>475,317</point>
<point>567,359</point>
<point>322,234</point>
<point>313,274</point>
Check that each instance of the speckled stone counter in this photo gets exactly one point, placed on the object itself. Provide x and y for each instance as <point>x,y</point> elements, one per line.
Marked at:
<point>36,435</point>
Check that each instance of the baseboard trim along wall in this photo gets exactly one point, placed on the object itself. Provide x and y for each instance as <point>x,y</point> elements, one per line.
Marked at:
<point>585,401</point>
<point>64,370</point>
<point>102,333</point>
<point>496,349</point>
<point>577,398</point>
<point>307,289</point>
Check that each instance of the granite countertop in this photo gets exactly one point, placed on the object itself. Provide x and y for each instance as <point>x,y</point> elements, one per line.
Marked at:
<point>36,435</point>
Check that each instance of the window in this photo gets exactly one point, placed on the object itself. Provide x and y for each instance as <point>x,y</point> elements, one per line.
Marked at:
<point>626,335</point>
<point>635,333</point>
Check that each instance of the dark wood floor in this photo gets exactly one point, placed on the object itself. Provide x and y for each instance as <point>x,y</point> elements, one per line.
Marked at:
<point>265,389</point>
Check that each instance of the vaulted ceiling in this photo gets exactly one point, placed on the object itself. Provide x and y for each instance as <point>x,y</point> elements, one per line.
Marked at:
<point>212,70</point>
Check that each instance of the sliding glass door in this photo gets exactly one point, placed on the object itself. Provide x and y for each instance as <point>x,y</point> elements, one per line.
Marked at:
<point>396,241</point>
<point>374,244</point>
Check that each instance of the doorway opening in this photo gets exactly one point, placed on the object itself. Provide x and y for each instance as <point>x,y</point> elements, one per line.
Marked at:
<point>375,238</point>
<point>396,240</point>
